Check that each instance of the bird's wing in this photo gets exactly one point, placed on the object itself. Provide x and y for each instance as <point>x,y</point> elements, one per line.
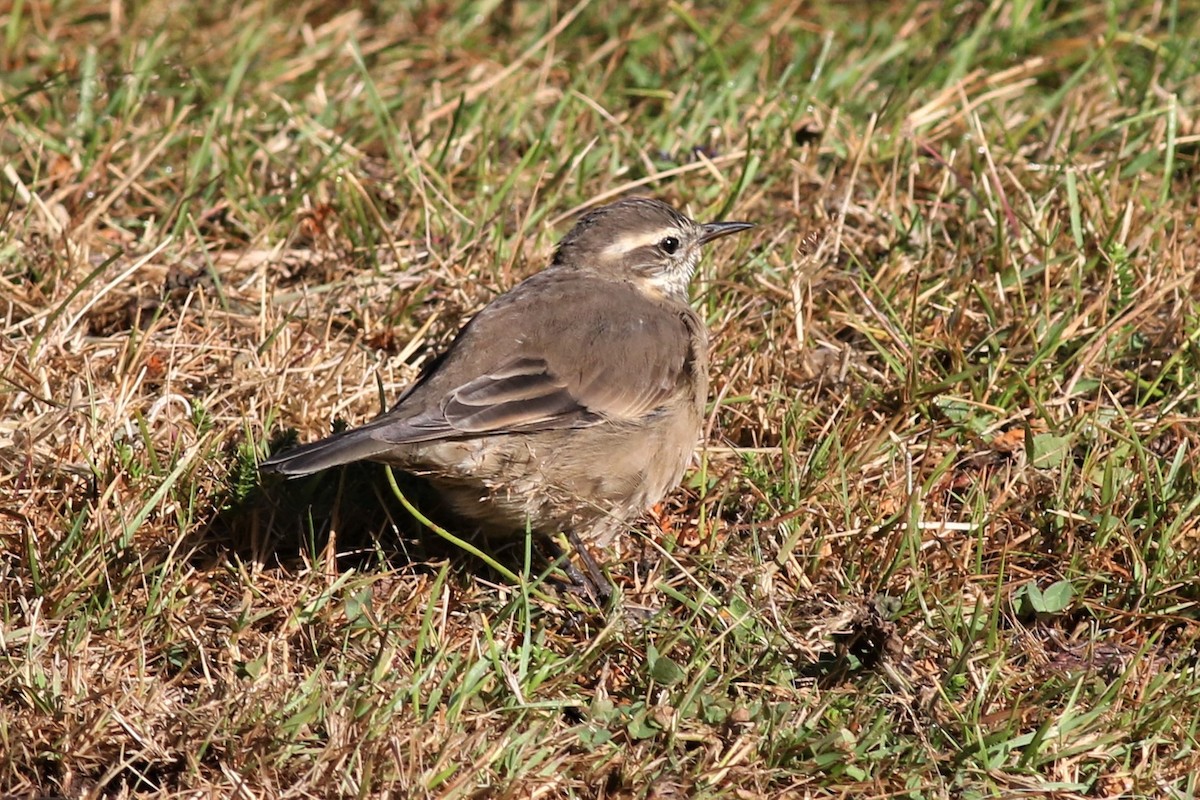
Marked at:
<point>572,364</point>
<point>523,394</point>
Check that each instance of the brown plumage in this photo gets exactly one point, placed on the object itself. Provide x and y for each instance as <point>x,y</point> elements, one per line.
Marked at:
<point>572,402</point>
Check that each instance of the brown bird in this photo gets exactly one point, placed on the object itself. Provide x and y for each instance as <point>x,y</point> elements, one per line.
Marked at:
<point>570,403</point>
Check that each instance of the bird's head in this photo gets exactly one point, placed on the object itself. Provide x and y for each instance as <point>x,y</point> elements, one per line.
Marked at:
<point>643,241</point>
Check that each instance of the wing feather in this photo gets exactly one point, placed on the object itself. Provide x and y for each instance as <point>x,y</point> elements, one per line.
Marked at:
<point>575,362</point>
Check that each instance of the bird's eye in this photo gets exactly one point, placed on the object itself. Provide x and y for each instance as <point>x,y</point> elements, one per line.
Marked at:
<point>669,245</point>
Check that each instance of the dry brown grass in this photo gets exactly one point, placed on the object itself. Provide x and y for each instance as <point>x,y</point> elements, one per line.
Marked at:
<point>957,358</point>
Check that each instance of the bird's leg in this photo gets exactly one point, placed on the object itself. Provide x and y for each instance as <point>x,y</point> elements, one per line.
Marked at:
<point>598,590</point>
<point>576,582</point>
<point>559,557</point>
<point>596,580</point>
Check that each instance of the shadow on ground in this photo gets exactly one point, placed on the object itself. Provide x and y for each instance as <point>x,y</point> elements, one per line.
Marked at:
<point>351,509</point>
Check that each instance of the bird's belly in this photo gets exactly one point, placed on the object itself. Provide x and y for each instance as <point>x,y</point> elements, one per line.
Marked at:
<point>589,480</point>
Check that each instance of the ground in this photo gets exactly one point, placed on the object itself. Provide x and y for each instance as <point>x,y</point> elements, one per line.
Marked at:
<point>940,540</point>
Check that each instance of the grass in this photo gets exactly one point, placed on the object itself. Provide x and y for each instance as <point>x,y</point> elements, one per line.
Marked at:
<point>941,541</point>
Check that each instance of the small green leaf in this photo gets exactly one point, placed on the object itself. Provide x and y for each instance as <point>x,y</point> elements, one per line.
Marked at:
<point>251,669</point>
<point>1054,599</point>
<point>358,608</point>
<point>1033,594</point>
<point>1048,450</point>
<point>661,668</point>
<point>955,410</point>
<point>640,726</point>
<point>714,711</point>
<point>855,773</point>
<point>964,413</point>
<point>592,738</point>
<point>1057,597</point>
<point>603,710</point>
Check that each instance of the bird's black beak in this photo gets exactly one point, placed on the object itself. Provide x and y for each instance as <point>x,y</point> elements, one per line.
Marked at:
<point>715,230</point>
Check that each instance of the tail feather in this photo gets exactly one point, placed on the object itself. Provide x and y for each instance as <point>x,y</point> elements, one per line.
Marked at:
<point>334,451</point>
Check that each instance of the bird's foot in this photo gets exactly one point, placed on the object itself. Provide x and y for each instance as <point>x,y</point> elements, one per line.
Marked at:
<point>592,584</point>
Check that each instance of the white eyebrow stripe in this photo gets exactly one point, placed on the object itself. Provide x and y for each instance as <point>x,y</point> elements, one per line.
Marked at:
<point>632,241</point>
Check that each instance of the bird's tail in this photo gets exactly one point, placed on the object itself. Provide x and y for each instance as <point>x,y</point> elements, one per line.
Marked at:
<point>334,451</point>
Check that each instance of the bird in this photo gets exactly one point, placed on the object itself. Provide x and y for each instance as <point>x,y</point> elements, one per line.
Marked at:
<point>569,404</point>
